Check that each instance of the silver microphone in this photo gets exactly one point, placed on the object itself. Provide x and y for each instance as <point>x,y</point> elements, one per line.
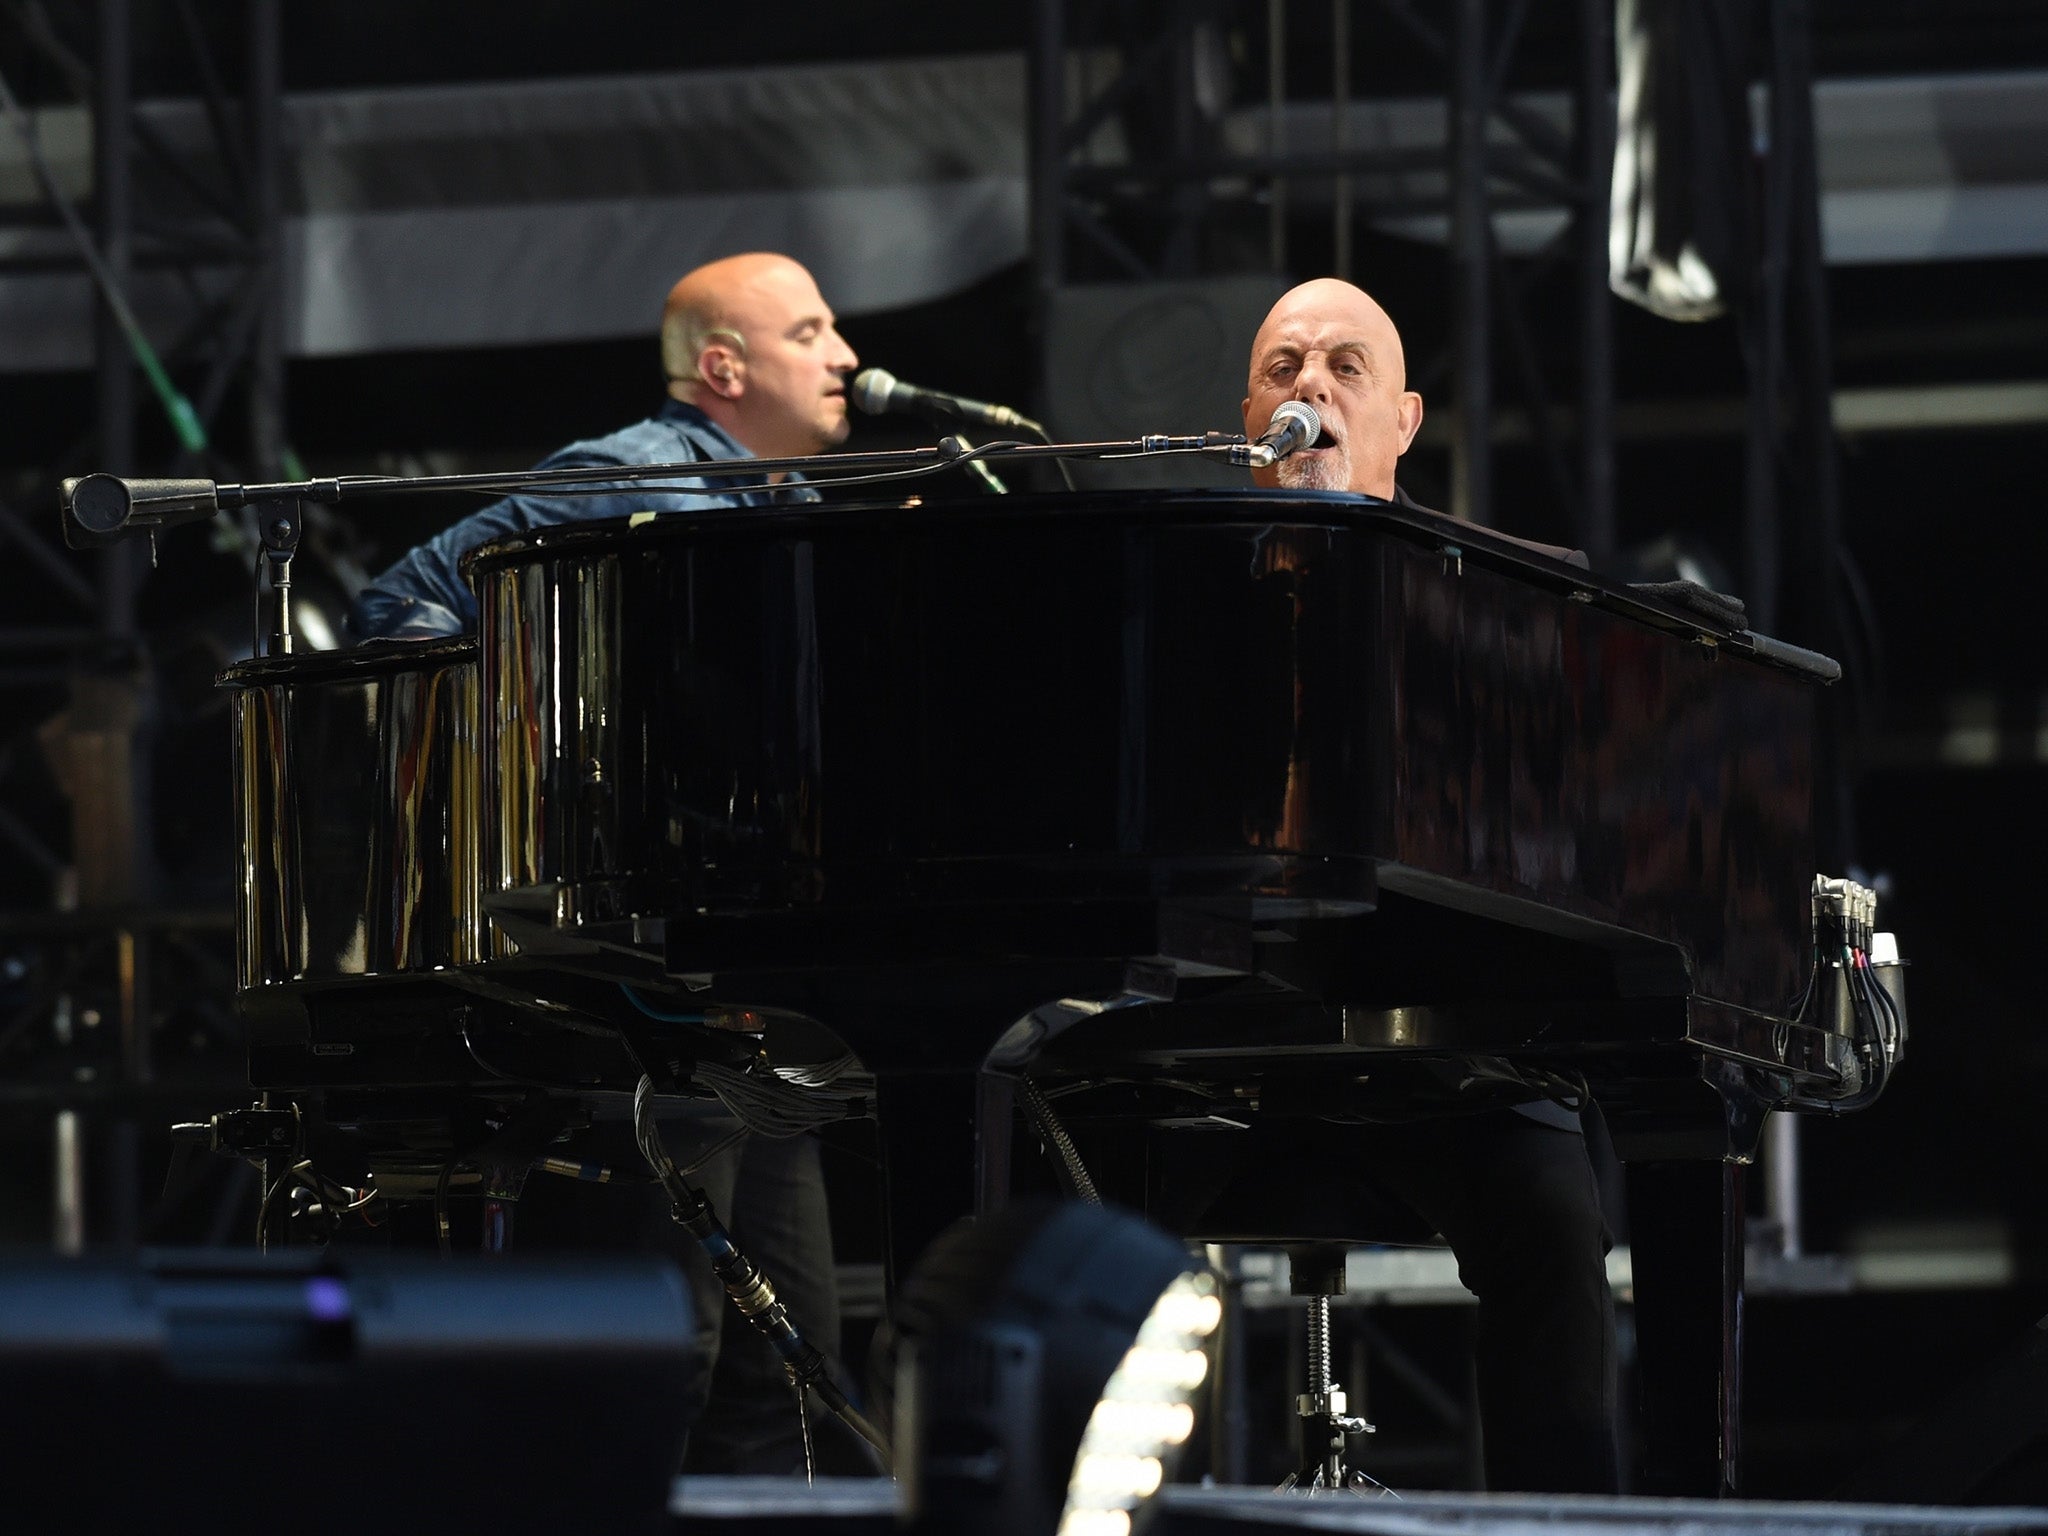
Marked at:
<point>877,391</point>
<point>1294,426</point>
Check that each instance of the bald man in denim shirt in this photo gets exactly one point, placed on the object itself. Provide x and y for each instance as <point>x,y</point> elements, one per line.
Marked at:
<point>756,369</point>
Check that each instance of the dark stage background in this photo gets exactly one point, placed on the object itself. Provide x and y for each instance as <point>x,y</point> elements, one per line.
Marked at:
<point>1931,1200</point>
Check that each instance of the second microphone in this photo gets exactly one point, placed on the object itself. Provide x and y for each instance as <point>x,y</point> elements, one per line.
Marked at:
<point>878,392</point>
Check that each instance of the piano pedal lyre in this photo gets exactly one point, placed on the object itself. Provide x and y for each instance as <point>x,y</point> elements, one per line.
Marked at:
<point>1316,1270</point>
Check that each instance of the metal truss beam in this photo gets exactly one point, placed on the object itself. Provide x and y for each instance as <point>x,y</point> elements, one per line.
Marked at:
<point>102,747</point>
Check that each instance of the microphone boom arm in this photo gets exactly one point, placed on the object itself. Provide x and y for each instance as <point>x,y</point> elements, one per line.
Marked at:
<point>101,509</point>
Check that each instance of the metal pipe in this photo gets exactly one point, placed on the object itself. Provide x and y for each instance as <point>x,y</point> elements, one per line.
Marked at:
<point>213,96</point>
<point>1471,452</point>
<point>68,1192</point>
<point>1047,168</point>
<point>1048,152</point>
<point>132,976</point>
<point>1178,255</point>
<point>1761,539</point>
<point>1229,1406</point>
<point>1276,107</point>
<point>1340,136</point>
<point>1781,1167</point>
<point>111,804</point>
<point>264,106</point>
<point>1815,548</point>
<point>1734,1249</point>
<point>1594,517</point>
<point>120,569</point>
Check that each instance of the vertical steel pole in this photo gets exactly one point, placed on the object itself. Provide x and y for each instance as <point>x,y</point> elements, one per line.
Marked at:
<point>1792,215</point>
<point>1594,519</point>
<point>125,1195</point>
<point>109,820</point>
<point>1048,149</point>
<point>1047,169</point>
<point>1814,552</point>
<point>263,109</point>
<point>1179,257</point>
<point>1472,446</point>
<point>1340,136</point>
<point>1734,1259</point>
<point>1816,332</point>
<point>1229,1406</point>
<point>1781,1169</point>
<point>1276,131</point>
<point>1762,559</point>
<point>67,1234</point>
<point>113,816</point>
<point>120,571</point>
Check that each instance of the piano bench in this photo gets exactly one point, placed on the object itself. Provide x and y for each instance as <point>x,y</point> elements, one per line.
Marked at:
<point>1313,1209</point>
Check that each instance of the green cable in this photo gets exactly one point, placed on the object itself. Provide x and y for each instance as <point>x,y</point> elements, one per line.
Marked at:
<point>184,420</point>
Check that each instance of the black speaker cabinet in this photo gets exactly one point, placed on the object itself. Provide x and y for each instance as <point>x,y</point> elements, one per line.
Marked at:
<point>216,1391</point>
<point>1125,359</point>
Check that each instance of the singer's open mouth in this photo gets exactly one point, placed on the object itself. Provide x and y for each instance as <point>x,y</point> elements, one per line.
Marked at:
<point>1323,440</point>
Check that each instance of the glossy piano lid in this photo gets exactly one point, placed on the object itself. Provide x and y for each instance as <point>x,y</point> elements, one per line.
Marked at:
<point>375,658</point>
<point>1335,510</point>
<point>1331,509</point>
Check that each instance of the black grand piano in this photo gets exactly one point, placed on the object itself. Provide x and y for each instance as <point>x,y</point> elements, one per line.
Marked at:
<point>1184,808</point>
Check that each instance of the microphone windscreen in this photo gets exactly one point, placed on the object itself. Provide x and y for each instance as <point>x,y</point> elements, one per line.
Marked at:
<point>872,388</point>
<point>98,503</point>
<point>1311,425</point>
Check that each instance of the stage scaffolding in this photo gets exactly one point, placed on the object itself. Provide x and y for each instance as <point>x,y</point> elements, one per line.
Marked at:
<point>85,957</point>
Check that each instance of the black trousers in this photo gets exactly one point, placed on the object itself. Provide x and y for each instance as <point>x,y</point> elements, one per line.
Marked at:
<point>1518,1202</point>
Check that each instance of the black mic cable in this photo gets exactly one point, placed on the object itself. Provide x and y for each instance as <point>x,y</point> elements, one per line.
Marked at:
<point>990,481</point>
<point>746,1285</point>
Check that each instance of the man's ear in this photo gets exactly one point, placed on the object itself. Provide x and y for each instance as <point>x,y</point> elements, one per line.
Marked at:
<point>1409,418</point>
<point>722,369</point>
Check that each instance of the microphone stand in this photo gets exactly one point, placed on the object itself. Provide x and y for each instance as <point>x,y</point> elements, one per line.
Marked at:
<point>103,509</point>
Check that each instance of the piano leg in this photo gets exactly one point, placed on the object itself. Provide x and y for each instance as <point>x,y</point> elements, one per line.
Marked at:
<point>945,1141</point>
<point>1686,1239</point>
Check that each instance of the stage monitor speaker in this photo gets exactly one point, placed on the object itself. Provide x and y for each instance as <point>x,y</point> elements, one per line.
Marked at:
<point>225,1392</point>
<point>1127,359</point>
<point>1986,1442</point>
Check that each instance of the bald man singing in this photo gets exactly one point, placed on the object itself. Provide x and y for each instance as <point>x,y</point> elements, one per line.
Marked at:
<point>756,369</point>
<point>1330,344</point>
<point>1512,1189</point>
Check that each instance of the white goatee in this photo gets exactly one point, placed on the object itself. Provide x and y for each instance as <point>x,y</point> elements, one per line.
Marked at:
<point>1329,470</point>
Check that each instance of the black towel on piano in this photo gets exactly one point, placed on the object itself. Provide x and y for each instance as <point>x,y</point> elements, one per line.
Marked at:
<point>1705,601</point>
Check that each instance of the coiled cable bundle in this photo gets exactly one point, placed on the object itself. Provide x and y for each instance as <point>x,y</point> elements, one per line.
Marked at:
<point>785,1101</point>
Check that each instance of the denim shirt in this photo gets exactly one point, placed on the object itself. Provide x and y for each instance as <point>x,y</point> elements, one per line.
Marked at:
<point>424,593</point>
